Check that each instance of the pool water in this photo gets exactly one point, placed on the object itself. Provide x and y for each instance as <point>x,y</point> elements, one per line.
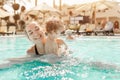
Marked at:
<point>92,58</point>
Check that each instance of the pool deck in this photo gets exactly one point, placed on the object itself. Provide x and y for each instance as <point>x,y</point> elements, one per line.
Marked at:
<point>6,33</point>
<point>10,33</point>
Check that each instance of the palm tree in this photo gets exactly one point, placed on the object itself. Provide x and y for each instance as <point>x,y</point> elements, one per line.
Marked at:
<point>35,2</point>
<point>1,3</point>
<point>54,3</point>
<point>60,6</point>
<point>16,15</point>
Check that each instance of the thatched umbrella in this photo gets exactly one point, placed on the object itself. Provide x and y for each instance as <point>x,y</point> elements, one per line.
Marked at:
<point>4,13</point>
<point>115,12</point>
<point>43,8</point>
<point>97,6</point>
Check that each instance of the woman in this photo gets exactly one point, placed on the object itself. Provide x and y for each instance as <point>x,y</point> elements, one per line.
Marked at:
<point>42,44</point>
<point>69,34</point>
<point>116,27</point>
<point>36,35</point>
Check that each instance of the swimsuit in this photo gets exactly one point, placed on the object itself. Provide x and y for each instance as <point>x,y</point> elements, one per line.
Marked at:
<point>36,51</point>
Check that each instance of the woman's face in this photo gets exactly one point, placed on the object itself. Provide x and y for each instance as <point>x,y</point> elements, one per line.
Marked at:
<point>34,33</point>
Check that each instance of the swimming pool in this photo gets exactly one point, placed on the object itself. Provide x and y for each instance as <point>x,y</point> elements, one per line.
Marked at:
<point>93,58</point>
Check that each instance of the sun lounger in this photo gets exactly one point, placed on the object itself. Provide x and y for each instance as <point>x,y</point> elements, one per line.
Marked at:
<point>87,29</point>
<point>103,32</point>
<point>6,33</point>
<point>82,29</point>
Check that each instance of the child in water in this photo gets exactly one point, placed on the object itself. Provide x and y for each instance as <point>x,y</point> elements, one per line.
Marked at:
<point>54,44</point>
<point>69,34</point>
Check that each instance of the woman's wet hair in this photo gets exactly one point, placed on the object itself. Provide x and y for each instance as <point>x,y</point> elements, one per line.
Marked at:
<point>26,31</point>
<point>26,34</point>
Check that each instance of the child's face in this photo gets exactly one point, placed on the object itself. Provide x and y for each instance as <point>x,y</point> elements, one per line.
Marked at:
<point>61,29</point>
<point>53,35</point>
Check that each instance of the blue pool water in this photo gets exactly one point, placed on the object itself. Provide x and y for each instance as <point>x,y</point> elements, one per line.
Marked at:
<point>92,58</point>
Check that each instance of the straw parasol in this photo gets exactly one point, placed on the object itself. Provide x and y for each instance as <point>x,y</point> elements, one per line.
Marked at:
<point>115,12</point>
<point>4,13</point>
<point>97,6</point>
<point>43,8</point>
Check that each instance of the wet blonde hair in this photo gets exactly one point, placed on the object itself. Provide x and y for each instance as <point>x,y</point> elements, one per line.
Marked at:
<point>53,25</point>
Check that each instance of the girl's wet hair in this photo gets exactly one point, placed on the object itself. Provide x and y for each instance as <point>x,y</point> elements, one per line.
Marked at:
<point>53,25</point>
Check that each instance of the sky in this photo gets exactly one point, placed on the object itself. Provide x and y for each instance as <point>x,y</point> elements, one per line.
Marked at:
<point>31,3</point>
<point>50,2</point>
<point>69,2</point>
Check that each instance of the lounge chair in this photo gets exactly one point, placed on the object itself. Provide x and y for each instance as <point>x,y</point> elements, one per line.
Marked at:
<point>90,29</point>
<point>108,30</point>
<point>116,31</point>
<point>5,33</point>
<point>82,29</point>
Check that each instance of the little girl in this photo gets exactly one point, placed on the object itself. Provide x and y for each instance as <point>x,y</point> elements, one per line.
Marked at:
<point>53,44</point>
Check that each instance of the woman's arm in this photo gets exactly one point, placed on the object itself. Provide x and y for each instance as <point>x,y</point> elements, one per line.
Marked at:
<point>31,51</point>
